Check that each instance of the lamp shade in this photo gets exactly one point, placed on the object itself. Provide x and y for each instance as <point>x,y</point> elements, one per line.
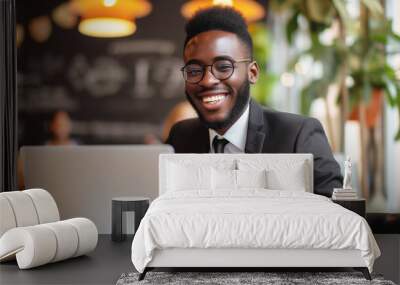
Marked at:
<point>250,9</point>
<point>110,18</point>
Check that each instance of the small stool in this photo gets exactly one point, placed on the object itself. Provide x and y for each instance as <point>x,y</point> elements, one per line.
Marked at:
<point>122,204</point>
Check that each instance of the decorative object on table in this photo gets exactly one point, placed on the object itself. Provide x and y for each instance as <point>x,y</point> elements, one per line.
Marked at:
<point>139,205</point>
<point>31,230</point>
<point>356,205</point>
<point>343,194</point>
<point>244,278</point>
<point>347,174</point>
<point>347,192</point>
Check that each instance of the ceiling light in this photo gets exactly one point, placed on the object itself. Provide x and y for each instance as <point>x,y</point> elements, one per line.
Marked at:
<point>250,9</point>
<point>110,18</point>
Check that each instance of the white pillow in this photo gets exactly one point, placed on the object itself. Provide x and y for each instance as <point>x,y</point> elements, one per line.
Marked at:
<point>226,179</point>
<point>251,178</point>
<point>181,177</point>
<point>293,178</point>
<point>223,179</point>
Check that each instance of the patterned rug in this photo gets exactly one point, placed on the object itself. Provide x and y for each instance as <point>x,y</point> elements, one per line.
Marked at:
<point>269,278</point>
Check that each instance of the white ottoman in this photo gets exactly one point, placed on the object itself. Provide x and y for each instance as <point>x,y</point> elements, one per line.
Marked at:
<point>31,232</point>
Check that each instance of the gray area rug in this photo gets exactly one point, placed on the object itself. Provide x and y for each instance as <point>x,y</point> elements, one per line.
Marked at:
<point>273,278</point>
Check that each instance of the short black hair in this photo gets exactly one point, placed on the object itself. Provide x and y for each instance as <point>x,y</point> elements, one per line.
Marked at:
<point>219,18</point>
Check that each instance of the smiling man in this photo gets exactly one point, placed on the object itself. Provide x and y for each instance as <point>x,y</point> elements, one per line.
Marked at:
<point>218,71</point>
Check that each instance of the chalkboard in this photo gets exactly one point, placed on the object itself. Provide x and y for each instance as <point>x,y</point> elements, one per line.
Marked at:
<point>115,90</point>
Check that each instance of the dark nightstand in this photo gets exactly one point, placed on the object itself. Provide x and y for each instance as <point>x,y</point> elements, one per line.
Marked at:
<point>356,205</point>
<point>139,205</point>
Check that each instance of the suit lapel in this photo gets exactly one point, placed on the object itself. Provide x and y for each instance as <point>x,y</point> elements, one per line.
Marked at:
<point>256,129</point>
<point>203,139</point>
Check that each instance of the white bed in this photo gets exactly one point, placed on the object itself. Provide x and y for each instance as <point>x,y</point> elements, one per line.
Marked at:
<point>215,211</point>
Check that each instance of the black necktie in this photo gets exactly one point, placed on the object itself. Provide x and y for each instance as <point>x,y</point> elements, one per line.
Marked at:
<point>219,144</point>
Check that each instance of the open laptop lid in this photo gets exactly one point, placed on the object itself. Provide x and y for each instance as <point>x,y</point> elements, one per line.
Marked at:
<point>84,179</point>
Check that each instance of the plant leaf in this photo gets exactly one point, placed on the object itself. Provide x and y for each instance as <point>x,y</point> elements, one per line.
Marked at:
<point>320,11</point>
<point>340,6</point>
<point>374,7</point>
<point>291,28</point>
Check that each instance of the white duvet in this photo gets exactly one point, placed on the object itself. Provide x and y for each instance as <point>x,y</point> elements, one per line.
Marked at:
<point>251,218</point>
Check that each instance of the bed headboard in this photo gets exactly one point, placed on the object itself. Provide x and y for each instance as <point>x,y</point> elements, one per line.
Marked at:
<point>278,162</point>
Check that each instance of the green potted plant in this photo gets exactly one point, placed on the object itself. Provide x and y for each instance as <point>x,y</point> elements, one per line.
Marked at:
<point>262,51</point>
<point>355,61</point>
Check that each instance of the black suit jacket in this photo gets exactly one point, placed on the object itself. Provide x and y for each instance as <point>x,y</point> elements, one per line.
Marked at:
<point>270,131</point>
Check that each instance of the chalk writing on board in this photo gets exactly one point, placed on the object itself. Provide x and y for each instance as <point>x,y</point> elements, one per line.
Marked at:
<point>169,75</point>
<point>47,98</point>
<point>124,47</point>
<point>103,78</point>
<point>116,93</point>
<point>115,130</point>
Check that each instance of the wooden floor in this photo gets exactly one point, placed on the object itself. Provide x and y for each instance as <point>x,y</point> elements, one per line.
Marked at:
<point>102,266</point>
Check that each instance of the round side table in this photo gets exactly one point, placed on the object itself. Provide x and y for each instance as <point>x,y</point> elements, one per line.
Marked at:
<point>139,205</point>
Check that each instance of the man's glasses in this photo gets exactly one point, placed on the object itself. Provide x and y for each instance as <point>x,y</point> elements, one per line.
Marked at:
<point>221,69</point>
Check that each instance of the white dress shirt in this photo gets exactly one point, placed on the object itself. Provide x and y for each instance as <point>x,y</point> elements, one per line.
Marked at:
<point>236,135</point>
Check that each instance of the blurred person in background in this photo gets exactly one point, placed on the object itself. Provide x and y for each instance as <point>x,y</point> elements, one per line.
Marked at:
<point>60,128</point>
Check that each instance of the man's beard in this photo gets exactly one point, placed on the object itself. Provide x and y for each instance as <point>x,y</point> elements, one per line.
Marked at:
<point>242,100</point>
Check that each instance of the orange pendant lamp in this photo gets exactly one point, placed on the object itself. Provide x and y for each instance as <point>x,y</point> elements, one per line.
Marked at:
<point>109,18</point>
<point>251,10</point>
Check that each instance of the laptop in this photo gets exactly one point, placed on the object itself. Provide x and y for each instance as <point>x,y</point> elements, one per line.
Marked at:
<point>84,179</point>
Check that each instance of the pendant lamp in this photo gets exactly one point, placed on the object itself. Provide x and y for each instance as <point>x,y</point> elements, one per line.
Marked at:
<point>109,18</point>
<point>250,9</point>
